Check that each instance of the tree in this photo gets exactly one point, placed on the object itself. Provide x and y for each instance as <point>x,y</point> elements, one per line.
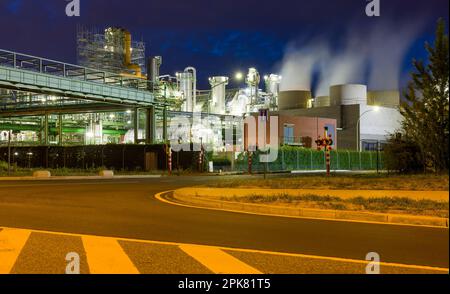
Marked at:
<point>426,109</point>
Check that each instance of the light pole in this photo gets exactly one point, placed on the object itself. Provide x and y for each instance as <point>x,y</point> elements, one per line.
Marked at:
<point>358,143</point>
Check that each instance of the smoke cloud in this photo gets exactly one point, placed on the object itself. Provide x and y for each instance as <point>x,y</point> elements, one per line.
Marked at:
<point>370,56</point>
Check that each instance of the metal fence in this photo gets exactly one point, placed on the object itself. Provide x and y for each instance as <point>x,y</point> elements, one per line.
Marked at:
<point>299,159</point>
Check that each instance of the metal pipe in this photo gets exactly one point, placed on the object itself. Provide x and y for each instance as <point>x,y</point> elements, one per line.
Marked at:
<point>134,67</point>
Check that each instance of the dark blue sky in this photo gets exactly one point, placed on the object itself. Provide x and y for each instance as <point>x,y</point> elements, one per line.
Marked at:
<point>218,37</point>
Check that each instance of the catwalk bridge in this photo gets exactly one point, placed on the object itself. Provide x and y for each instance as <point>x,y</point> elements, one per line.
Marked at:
<point>71,86</point>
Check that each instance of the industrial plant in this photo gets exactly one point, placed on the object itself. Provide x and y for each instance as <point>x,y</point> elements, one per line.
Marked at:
<point>116,94</point>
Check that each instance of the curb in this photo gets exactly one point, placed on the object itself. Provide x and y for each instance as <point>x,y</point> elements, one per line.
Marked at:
<point>7,179</point>
<point>312,213</point>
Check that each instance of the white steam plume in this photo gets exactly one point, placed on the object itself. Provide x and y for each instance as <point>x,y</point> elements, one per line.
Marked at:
<point>372,57</point>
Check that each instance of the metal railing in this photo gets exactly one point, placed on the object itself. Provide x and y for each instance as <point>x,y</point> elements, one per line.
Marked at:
<point>62,69</point>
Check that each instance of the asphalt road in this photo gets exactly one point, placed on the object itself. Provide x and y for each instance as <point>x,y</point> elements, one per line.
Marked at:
<point>127,209</point>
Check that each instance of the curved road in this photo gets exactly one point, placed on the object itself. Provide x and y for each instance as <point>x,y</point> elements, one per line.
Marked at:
<point>128,209</point>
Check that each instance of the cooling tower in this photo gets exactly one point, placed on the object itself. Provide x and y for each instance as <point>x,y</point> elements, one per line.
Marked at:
<point>294,100</point>
<point>384,98</point>
<point>322,101</point>
<point>349,94</point>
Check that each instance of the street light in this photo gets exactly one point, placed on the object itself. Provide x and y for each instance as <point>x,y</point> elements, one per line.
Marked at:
<point>358,143</point>
<point>239,76</point>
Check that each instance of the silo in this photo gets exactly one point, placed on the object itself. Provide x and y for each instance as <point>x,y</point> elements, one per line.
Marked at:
<point>299,99</point>
<point>322,101</point>
<point>218,91</point>
<point>185,79</point>
<point>349,94</point>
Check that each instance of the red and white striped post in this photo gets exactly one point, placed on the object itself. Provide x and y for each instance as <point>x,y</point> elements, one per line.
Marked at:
<point>201,156</point>
<point>328,157</point>
<point>250,161</point>
<point>326,143</point>
<point>169,159</point>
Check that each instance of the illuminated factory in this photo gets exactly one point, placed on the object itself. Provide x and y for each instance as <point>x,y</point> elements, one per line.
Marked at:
<point>116,95</point>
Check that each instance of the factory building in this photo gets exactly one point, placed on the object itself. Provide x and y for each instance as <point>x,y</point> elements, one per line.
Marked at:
<point>364,118</point>
<point>116,95</point>
<point>300,131</point>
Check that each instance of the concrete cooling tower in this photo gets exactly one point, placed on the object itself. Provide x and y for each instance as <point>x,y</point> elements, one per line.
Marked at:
<point>349,94</point>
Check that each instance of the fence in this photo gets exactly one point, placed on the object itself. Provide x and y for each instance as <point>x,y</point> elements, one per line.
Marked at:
<point>291,158</point>
<point>117,157</point>
<point>136,157</point>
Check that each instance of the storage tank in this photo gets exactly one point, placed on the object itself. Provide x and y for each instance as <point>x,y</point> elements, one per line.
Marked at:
<point>188,87</point>
<point>218,92</point>
<point>322,101</point>
<point>294,100</point>
<point>349,94</point>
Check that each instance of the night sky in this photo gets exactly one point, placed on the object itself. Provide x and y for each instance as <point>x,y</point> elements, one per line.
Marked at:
<point>217,37</point>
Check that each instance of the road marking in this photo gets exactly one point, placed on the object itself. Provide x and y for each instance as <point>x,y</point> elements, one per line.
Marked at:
<point>348,260</point>
<point>162,199</point>
<point>105,256</point>
<point>12,242</point>
<point>218,261</point>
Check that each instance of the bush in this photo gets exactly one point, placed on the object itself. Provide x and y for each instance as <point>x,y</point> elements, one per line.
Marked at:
<point>402,155</point>
<point>3,166</point>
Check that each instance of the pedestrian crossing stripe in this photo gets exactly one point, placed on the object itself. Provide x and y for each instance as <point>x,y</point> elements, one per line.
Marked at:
<point>218,261</point>
<point>11,244</point>
<point>106,256</point>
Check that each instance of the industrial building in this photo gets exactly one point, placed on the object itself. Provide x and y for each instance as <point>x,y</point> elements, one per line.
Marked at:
<point>116,95</point>
<point>364,118</point>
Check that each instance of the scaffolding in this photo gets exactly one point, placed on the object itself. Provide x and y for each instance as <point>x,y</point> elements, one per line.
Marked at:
<point>105,50</point>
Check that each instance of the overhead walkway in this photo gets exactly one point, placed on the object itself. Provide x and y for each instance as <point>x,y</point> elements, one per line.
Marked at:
<point>72,84</point>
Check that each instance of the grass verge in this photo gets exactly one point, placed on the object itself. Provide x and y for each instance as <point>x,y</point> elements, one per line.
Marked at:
<point>344,182</point>
<point>394,205</point>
